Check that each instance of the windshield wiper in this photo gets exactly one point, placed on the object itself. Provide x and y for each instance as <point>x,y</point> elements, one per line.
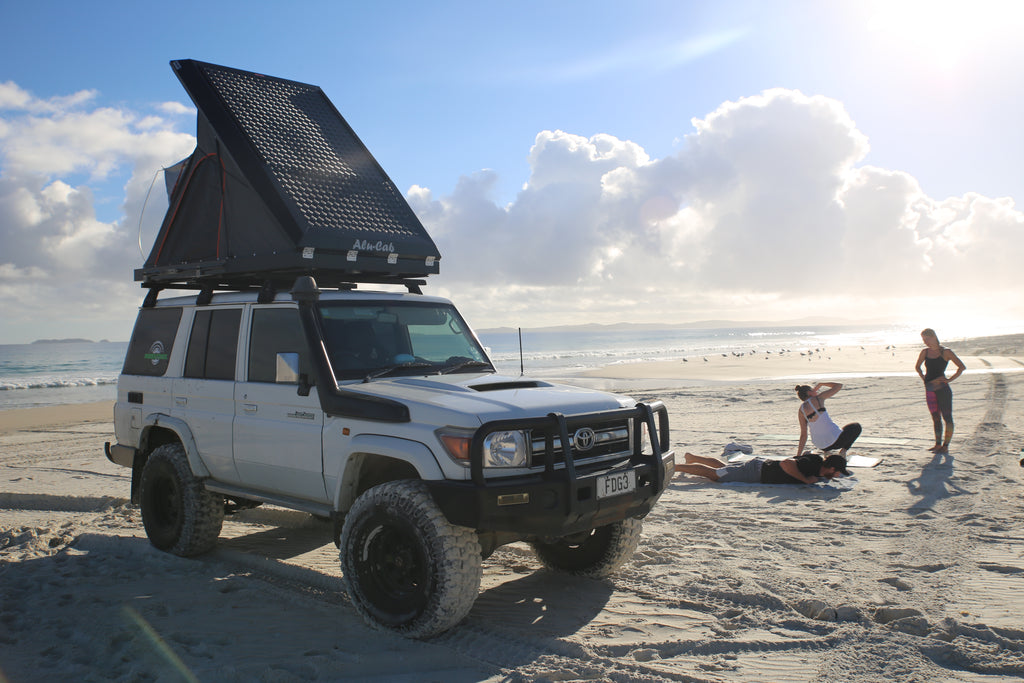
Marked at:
<point>464,364</point>
<point>391,368</point>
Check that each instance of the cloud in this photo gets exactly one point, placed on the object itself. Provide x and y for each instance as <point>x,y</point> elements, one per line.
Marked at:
<point>176,109</point>
<point>764,211</point>
<point>95,142</point>
<point>53,153</point>
<point>13,97</point>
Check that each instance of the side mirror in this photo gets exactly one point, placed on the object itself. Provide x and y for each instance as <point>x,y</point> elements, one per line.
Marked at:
<point>288,373</point>
<point>287,368</point>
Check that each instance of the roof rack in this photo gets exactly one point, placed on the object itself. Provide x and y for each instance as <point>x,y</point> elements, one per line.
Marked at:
<point>279,186</point>
<point>268,287</point>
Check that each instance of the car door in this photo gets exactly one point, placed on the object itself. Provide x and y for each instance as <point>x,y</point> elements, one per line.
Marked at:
<point>278,431</point>
<point>204,394</point>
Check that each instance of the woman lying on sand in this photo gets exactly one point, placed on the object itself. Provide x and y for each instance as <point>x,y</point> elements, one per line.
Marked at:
<point>802,469</point>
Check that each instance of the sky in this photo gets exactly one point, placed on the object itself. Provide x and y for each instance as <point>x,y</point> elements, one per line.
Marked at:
<point>576,162</point>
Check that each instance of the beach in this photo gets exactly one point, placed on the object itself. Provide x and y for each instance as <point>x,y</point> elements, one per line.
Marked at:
<point>911,570</point>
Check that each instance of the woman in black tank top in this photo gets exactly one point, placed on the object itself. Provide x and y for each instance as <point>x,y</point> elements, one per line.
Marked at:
<point>939,396</point>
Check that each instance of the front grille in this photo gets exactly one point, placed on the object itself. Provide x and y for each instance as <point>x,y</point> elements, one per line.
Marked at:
<point>609,439</point>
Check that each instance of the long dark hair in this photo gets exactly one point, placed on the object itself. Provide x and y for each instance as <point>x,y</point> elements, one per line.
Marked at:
<point>803,391</point>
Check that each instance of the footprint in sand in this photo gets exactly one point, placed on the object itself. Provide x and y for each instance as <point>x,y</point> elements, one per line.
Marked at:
<point>885,615</point>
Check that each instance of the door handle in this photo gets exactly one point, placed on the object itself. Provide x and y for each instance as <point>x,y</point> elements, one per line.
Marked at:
<point>249,407</point>
<point>180,401</point>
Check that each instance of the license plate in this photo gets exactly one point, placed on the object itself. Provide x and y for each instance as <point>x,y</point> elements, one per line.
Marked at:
<point>616,484</point>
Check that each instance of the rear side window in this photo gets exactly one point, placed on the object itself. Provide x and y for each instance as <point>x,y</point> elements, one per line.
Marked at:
<point>213,344</point>
<point>152,340</point>
<point>274,331</point>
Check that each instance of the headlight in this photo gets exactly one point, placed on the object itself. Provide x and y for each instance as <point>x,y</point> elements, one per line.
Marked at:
<point>501,449</point>
<point>505,449</point>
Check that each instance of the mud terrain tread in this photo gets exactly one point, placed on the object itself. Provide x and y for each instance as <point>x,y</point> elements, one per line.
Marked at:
<point>202,512</point>
<point>452,552</point>
<point>599,557</point>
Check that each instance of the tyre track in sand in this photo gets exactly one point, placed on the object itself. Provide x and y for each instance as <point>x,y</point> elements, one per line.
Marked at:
<point>951,542</point>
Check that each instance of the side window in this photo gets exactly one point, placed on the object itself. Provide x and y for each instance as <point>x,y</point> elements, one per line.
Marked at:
<point>213,344</point>
<point>152,340</point>
<point>274,331</point>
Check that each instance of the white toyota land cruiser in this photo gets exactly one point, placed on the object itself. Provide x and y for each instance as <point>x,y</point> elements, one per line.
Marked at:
<point>379,410</point>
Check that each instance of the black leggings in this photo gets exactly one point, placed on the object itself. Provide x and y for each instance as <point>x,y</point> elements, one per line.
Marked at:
<point>846,437</point>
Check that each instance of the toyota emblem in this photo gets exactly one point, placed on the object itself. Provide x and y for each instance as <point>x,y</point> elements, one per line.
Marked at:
<point>584,439</point>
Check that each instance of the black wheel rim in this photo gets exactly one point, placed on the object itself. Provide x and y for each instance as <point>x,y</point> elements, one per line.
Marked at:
<point>162,510</point>
<point>392,568</point>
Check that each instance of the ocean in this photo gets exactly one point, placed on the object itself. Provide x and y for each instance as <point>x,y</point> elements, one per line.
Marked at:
<point>556,354</point>
<point>57,373</point>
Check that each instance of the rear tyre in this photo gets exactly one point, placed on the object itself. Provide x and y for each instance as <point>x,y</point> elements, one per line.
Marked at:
<point>597,553</point>
<point>180,515</point>
<point>405,566</point>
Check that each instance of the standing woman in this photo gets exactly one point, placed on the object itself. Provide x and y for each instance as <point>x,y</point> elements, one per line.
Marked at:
<point>934,358</point>
<point>813,418</point>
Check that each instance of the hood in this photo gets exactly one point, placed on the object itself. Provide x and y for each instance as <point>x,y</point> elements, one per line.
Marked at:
<point>472,399</point>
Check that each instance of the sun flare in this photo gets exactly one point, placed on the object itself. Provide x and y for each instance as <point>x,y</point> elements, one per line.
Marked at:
<point>940,33</point>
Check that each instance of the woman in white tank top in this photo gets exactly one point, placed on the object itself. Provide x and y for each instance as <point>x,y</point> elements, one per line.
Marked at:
<point>814,419</point>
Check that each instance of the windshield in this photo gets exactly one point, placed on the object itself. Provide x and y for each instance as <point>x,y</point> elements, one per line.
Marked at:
<point>371,339</point>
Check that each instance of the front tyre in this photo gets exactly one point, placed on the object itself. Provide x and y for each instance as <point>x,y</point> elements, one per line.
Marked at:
<point>405,566</point>
<point>180,515</point>
<point>597,553</point>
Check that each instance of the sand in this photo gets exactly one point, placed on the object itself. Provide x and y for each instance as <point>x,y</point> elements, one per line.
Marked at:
<point>909,571</point>
<point>55,416</point>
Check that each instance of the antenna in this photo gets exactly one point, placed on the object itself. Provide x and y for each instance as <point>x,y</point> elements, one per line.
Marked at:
<point>521,371</point>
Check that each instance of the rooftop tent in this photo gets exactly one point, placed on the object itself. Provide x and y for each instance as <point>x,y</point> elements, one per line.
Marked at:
<point>279,186</point>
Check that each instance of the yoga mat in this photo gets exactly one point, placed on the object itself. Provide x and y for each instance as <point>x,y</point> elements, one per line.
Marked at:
<point>851,461</point>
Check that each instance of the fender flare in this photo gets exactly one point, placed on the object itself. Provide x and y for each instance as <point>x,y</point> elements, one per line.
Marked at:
<point>179,427</point>
<point>416,454</point>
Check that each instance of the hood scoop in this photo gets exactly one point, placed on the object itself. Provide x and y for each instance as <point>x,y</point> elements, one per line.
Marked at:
<point>516,384</point>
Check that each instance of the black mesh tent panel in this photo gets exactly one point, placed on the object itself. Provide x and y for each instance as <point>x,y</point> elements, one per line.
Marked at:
<point>202,213</point>
<point>211,204</point>
<point>280,185</point>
